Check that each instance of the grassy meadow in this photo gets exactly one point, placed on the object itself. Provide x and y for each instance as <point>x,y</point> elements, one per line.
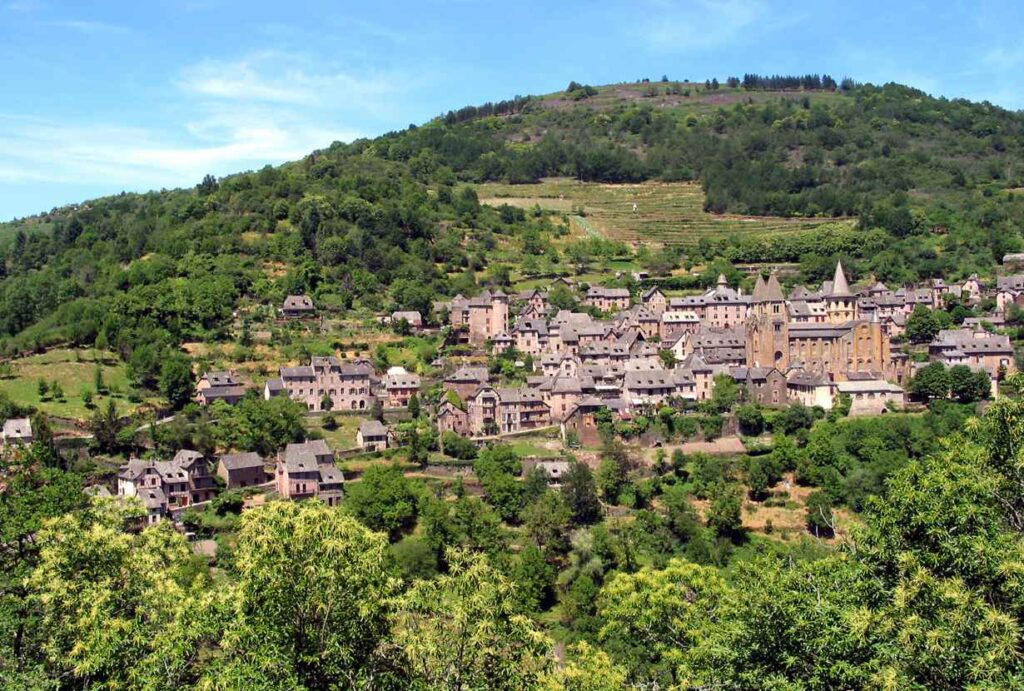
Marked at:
<point>74,371</point>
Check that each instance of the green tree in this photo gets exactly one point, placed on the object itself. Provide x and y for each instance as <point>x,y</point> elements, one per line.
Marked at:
<point>682,518</point>
<point>457,446</point>
<point>547,521</point>
<point>968,386</point>
<point>259,425</point>
<point>611,479</point>
<point>504,492</point>
<point>931,381</point>
<point>793,419</point>
<point>762,473</point>
<point>377,411</point>
<point>750,418</point>
<point>176,381</point>
<point>312,605</point>
<point>562,298</point>
<point>535,483</point>
<point>33,495</point>
<point>725,512</point>
<point>820,514</point>
<point>384,499</point>
<point>580,491</point>
<point>653,617</point>
<point>533,576</point>
<point>415,557</point>
<point>414,406</point>
<point>106,594</point>
<point>779,611</point>
<point>724,394</point>
<point>105,425</point>
<point>922,325</point>
<point>587,669</point>
<point>465,630</point>
<point>44,448</point>
<point>667,357</point>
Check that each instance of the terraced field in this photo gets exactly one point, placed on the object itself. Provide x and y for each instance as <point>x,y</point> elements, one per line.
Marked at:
<point>666,212</point>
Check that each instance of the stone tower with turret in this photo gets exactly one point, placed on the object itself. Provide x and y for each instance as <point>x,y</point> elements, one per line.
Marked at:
<point>768,326</point>
<point>499,313</point>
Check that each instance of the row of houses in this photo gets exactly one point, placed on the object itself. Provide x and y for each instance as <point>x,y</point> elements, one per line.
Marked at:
<point>165,488</point>
<point>329,383</point>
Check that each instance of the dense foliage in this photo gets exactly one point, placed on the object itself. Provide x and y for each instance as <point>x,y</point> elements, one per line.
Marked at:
<point>925,593</point>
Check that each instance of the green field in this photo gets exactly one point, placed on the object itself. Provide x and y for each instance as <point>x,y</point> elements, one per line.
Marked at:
<point>73,373</point>
<point>667,212</point>
<point>342,438</point>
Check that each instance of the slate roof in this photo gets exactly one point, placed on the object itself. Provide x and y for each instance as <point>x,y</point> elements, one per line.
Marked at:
<point>372,429</point>
<point>240,461</point>
<point>298,303</point>
<point>17,428</point>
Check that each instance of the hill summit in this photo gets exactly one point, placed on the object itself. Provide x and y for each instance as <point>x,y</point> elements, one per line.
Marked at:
<point>917,187</point>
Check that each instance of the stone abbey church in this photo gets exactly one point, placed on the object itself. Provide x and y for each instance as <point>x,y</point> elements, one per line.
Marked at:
<point>835,343</point>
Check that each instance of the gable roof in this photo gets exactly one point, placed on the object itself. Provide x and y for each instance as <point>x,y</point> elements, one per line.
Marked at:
<point>239,461</point>
<point>298,302</point>
<point>372,428</point>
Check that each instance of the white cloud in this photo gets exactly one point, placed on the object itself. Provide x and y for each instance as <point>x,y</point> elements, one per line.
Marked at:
<point>21,6</point>
<point>88,26</point>
<point>231,116</point>
<point>34,150</point>
<point>696,24</point>
<point>286,78</point>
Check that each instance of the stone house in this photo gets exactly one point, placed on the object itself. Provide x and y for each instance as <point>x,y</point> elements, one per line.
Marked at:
<point>654,300</point>
<point>307,470</point>
<point>871,396</point>
<point>501,411</point>
<point>240,470</point>
<point>400,386</point>
<point>219,386</point>
<point>165,486</point>
<point>372,436</point>
<point>17,430</point>
<point>466,380</point>
<point>297,306</point>
<point>348,385</point>
<point>452,418</point>
<point>607,299</point>
<point>412,318</point>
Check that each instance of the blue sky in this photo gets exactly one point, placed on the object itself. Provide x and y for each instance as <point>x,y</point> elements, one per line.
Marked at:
<point>105,96</point>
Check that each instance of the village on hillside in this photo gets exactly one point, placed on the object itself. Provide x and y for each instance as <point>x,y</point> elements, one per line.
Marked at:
<point>521,367</point>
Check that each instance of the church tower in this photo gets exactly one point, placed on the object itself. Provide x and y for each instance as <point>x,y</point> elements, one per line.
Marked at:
<point>768,326</point>
<point>840,303</point>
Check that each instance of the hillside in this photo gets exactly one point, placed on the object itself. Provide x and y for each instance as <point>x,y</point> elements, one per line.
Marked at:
<point>666,212</point>
<point>395,221</point>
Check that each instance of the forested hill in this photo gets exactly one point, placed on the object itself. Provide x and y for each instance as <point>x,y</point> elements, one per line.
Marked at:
<point>392,222</point>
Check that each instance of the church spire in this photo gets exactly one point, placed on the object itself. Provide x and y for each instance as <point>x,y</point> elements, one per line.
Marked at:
<point>772,289</point>
<point>759,289</point>
<point>840,288</point>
